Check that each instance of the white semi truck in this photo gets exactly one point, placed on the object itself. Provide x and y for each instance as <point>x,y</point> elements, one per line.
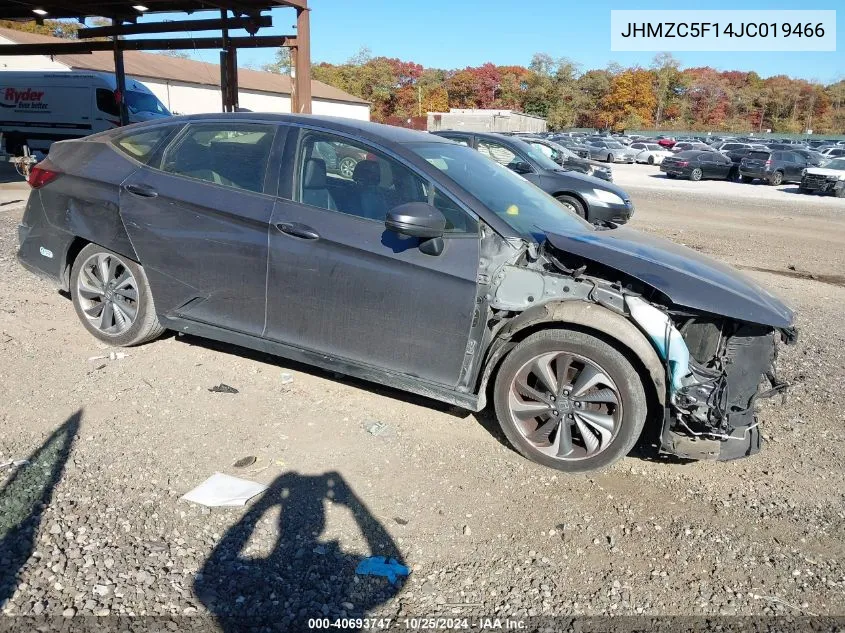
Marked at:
<point>40,107</point>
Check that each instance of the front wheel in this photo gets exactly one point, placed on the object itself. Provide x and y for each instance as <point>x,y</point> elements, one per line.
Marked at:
<point>569,401</point>
<point>776,179</point>
<point>573,204</point>
<point>695,174</point>
<point>610,158</point>
<point>112,297</point>
<point>651,160</point>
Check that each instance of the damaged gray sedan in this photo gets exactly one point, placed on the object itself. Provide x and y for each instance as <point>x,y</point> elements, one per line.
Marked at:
<point>426,267</point>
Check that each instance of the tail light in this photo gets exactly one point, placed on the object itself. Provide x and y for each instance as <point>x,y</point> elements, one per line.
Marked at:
<point>42,173</point>
<point>683,163</point>
<point>768,163</point>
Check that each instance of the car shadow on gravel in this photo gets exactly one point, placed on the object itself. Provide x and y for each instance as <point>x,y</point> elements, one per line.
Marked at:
<point>24,497</point>
<point>357,383</point>
<point>303,576</point>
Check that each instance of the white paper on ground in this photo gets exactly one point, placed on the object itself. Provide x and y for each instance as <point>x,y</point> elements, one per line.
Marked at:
<point>224,490</point>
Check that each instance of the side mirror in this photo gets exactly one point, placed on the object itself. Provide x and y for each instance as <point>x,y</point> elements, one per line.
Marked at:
<point>520,167</point>
<point>416,219</point>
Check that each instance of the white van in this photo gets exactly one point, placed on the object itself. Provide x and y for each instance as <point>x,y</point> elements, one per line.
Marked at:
<point>39,107</point>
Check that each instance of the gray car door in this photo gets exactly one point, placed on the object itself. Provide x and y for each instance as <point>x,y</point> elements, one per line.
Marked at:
<point>198,218</point>
<point>340,284</point>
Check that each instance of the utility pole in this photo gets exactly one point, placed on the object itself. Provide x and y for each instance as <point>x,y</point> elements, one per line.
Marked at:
<point>419,100</point>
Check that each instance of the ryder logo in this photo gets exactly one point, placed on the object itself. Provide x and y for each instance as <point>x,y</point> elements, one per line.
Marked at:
<point>28,99</point>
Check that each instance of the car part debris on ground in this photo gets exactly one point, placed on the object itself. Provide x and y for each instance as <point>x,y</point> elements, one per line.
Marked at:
<point>223,388</point>
<point>110,356</point>
<point>382,566</point>
<point>286,378</point>
<point>377,428</point>
<point>224,490</point>
<point>243,462</point>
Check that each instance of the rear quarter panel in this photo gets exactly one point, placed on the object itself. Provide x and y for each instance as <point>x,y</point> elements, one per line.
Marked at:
<point>83,201</point>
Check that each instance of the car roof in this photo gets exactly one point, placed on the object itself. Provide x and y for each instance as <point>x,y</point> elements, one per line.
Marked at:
<point>365,129</point>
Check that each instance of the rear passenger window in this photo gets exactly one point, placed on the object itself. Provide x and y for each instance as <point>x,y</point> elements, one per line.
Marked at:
<point>338,174</point>
<point>142,145</point>
<point>228,154</point>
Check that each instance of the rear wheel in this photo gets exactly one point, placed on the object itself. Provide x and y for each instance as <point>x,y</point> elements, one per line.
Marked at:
<point>651,160</point>
<point>776,179</point>
<point>569,401</point>
<point>112,297</point>
<point>610,158</point>
<point>573,204</point>
<point>347,166</point>
<point>695,174</point>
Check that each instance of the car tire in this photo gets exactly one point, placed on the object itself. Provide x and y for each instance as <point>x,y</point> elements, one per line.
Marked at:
<point>610,158</point>
<point>695,174</point>
<point>839,193</point>
<point>651,160</point>
<point>112,297</point>
<point>602,429</point>
<point>573,204</point>
<point>746,179</point>
<point>346,166</point>
<point>776,179</point>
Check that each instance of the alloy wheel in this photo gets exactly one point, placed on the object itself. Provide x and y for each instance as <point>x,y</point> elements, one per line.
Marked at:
<point>566,406</point>
<point>108,293</point>
<point>347,167</point>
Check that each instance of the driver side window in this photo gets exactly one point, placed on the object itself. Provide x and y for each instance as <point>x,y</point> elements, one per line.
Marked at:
<point>338,174</point>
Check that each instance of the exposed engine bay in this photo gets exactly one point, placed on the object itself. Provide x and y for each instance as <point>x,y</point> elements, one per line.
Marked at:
<point>715,368</point>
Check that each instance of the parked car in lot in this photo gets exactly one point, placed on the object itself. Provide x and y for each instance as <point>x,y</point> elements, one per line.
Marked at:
<point>832,152</point>
<point>828,179</point>
<point>568,160</point>
<point>610,151</point>
<point>683,146</point>
<point>591,198</point>
<point>665,141</point>
<point>730,146</point>
<point>773,166</point>
<point>576,146</point>
<point>434,270</point>
<point>696,164</point>
<point>650,153</point>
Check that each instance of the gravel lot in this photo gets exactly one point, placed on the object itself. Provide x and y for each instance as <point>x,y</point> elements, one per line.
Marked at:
<point>115,443</point>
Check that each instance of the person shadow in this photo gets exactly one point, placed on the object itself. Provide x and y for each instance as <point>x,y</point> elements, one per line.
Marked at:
<point>23,499</point>
<point>302,577</point>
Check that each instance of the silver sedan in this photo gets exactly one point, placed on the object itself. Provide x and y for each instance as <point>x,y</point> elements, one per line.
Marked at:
<point>611,151</point>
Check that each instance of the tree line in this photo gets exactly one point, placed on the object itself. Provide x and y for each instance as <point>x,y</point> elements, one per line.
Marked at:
<point>662,96</point>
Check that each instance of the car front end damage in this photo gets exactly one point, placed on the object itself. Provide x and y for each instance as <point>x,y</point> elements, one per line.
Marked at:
<point>709,371</point>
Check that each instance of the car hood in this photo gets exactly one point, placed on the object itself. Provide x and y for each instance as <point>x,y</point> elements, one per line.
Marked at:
<point>688,278</point>
<point>823,171</point>
<point>585,182</point>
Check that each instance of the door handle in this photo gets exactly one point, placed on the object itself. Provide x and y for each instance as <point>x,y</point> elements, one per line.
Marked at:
<point>296,229</point>
<point>141,190</point>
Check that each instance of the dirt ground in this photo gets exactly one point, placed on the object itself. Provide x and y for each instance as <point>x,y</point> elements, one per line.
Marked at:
<point>484,531</point>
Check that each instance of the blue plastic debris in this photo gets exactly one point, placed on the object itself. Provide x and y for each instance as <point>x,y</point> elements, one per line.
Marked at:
<point>381,566</point>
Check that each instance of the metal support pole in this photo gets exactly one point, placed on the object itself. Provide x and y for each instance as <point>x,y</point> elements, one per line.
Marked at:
<point>232,76</point>
<point>120,76</point>
<point>225,78</point>
<point>301,101</point>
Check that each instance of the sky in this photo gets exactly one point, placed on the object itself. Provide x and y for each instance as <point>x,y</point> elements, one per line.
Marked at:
<point>459,33</point>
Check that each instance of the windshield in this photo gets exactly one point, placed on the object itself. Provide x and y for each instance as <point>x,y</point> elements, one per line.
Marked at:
<point>527,209</point>
<point>614,144</point>
<point>144,102</point>
<point>544,161</point>
<point>654,147</point>
<point>836,163</point>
